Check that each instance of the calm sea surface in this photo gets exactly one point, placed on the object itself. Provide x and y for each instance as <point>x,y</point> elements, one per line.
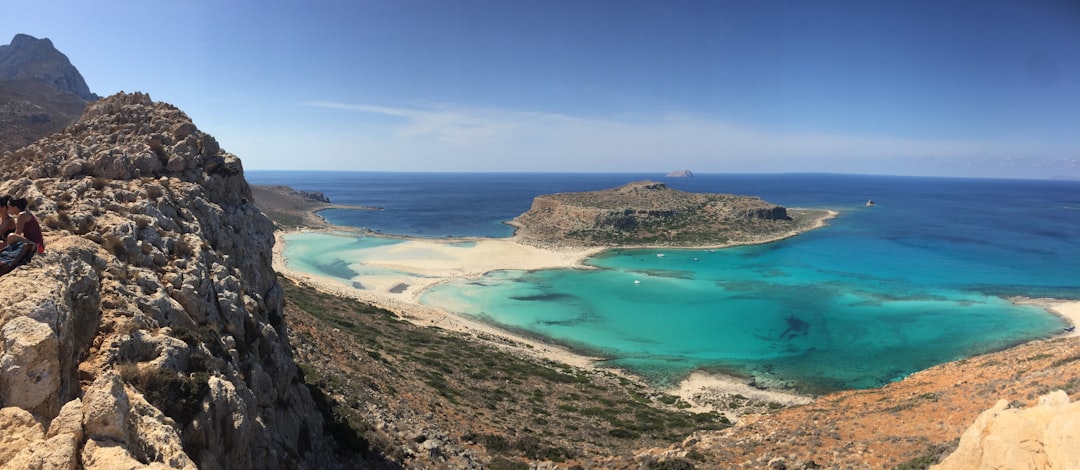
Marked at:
<point>882,292</point>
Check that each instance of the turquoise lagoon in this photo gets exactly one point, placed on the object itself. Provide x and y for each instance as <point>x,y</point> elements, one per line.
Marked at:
<point>780,315</point>
<point>882,292</point>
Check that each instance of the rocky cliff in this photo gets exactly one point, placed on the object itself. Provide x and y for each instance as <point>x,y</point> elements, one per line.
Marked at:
<point>648,212</point>
<point>28,57</point>
<point>150,333</point>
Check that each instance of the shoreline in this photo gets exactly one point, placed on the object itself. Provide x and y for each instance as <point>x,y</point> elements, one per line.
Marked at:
<point>702,391</point>
<point>1068,310</point>
<point>406,303</point>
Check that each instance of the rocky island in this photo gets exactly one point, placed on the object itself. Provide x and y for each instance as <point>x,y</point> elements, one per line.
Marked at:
<point>681,174</point>
<point>648,213</point>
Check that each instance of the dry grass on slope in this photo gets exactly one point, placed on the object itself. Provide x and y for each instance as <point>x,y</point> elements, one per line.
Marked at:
<point>910,422</point>
<point>424,397</point>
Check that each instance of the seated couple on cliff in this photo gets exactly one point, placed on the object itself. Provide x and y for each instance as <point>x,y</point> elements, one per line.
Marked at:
<point>20,234</point>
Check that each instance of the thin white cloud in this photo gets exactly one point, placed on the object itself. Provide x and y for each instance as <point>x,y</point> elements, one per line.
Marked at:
<point>460,138</point>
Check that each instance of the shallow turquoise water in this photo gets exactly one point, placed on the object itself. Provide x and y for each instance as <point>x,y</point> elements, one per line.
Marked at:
<point>840,307</point>
<point>334,256</point>
<point>881,293</point>
<point>760,312</point>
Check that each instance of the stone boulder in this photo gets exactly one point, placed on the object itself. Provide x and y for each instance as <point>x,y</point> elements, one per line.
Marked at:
<point>1046,436</point>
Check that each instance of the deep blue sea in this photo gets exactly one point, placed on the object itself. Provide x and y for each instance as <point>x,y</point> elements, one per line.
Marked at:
<point>920,279</point>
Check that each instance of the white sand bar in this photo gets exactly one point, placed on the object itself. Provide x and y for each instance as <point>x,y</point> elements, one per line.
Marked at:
<point>472,258</point>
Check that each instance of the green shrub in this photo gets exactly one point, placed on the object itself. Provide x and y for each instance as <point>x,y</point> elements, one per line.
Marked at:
<point>623,433</point>
<point>178,396</point>
<point>500,463</point>
<point>116,246</point>
<point>671,464</point>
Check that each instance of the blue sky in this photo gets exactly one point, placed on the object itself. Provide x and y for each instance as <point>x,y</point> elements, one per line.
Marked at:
<point>986,88</point>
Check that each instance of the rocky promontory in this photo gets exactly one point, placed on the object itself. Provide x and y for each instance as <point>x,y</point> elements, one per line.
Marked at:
<point>151,332</point>
<point>651,213</point>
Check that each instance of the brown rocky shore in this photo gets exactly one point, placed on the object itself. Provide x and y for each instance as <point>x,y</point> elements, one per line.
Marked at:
<point>291,209</point>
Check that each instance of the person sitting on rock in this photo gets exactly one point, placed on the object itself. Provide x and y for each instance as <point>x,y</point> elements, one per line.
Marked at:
<point>27,228</point>
<point>7,223</point>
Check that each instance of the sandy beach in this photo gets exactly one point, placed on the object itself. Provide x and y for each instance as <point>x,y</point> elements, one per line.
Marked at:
<point>437,261</point>
<point>1071,312</point>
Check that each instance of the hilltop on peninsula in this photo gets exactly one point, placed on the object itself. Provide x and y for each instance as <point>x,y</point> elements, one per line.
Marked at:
<point>650,213</point>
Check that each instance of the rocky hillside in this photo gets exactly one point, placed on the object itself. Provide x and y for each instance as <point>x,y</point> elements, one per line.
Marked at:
<point>908,424</point>
<point>30,110</point>
<point>650,213</point>
<point>151,331</point>
<point>40,92</point>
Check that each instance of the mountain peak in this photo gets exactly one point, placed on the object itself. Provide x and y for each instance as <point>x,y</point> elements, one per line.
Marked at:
<point>28,57</point>
<point>25,40</point>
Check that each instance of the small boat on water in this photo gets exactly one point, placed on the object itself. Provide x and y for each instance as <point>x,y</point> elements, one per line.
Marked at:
<point>870,203</point>
<point>637,281</point>
<point>659,255</point>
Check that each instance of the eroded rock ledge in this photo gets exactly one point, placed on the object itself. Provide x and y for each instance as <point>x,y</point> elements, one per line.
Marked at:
<point>650,213</point>
<point>150,333</point>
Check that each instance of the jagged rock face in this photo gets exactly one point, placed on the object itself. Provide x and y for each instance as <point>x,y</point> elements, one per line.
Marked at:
<point>154,312</point>
<point>29,57</point>
<point>1045,436</point>
<point>643,212</point>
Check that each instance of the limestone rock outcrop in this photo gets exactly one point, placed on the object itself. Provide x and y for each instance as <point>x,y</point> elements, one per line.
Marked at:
<point>1045,436</point>
<point>150,333</point>
<point>648,212</point>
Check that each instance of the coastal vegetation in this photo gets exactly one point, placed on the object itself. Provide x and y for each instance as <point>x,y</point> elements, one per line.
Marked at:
<point>389,377</point>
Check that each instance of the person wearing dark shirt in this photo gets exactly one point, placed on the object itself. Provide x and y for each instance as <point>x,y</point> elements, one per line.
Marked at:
<point>27,228</point>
